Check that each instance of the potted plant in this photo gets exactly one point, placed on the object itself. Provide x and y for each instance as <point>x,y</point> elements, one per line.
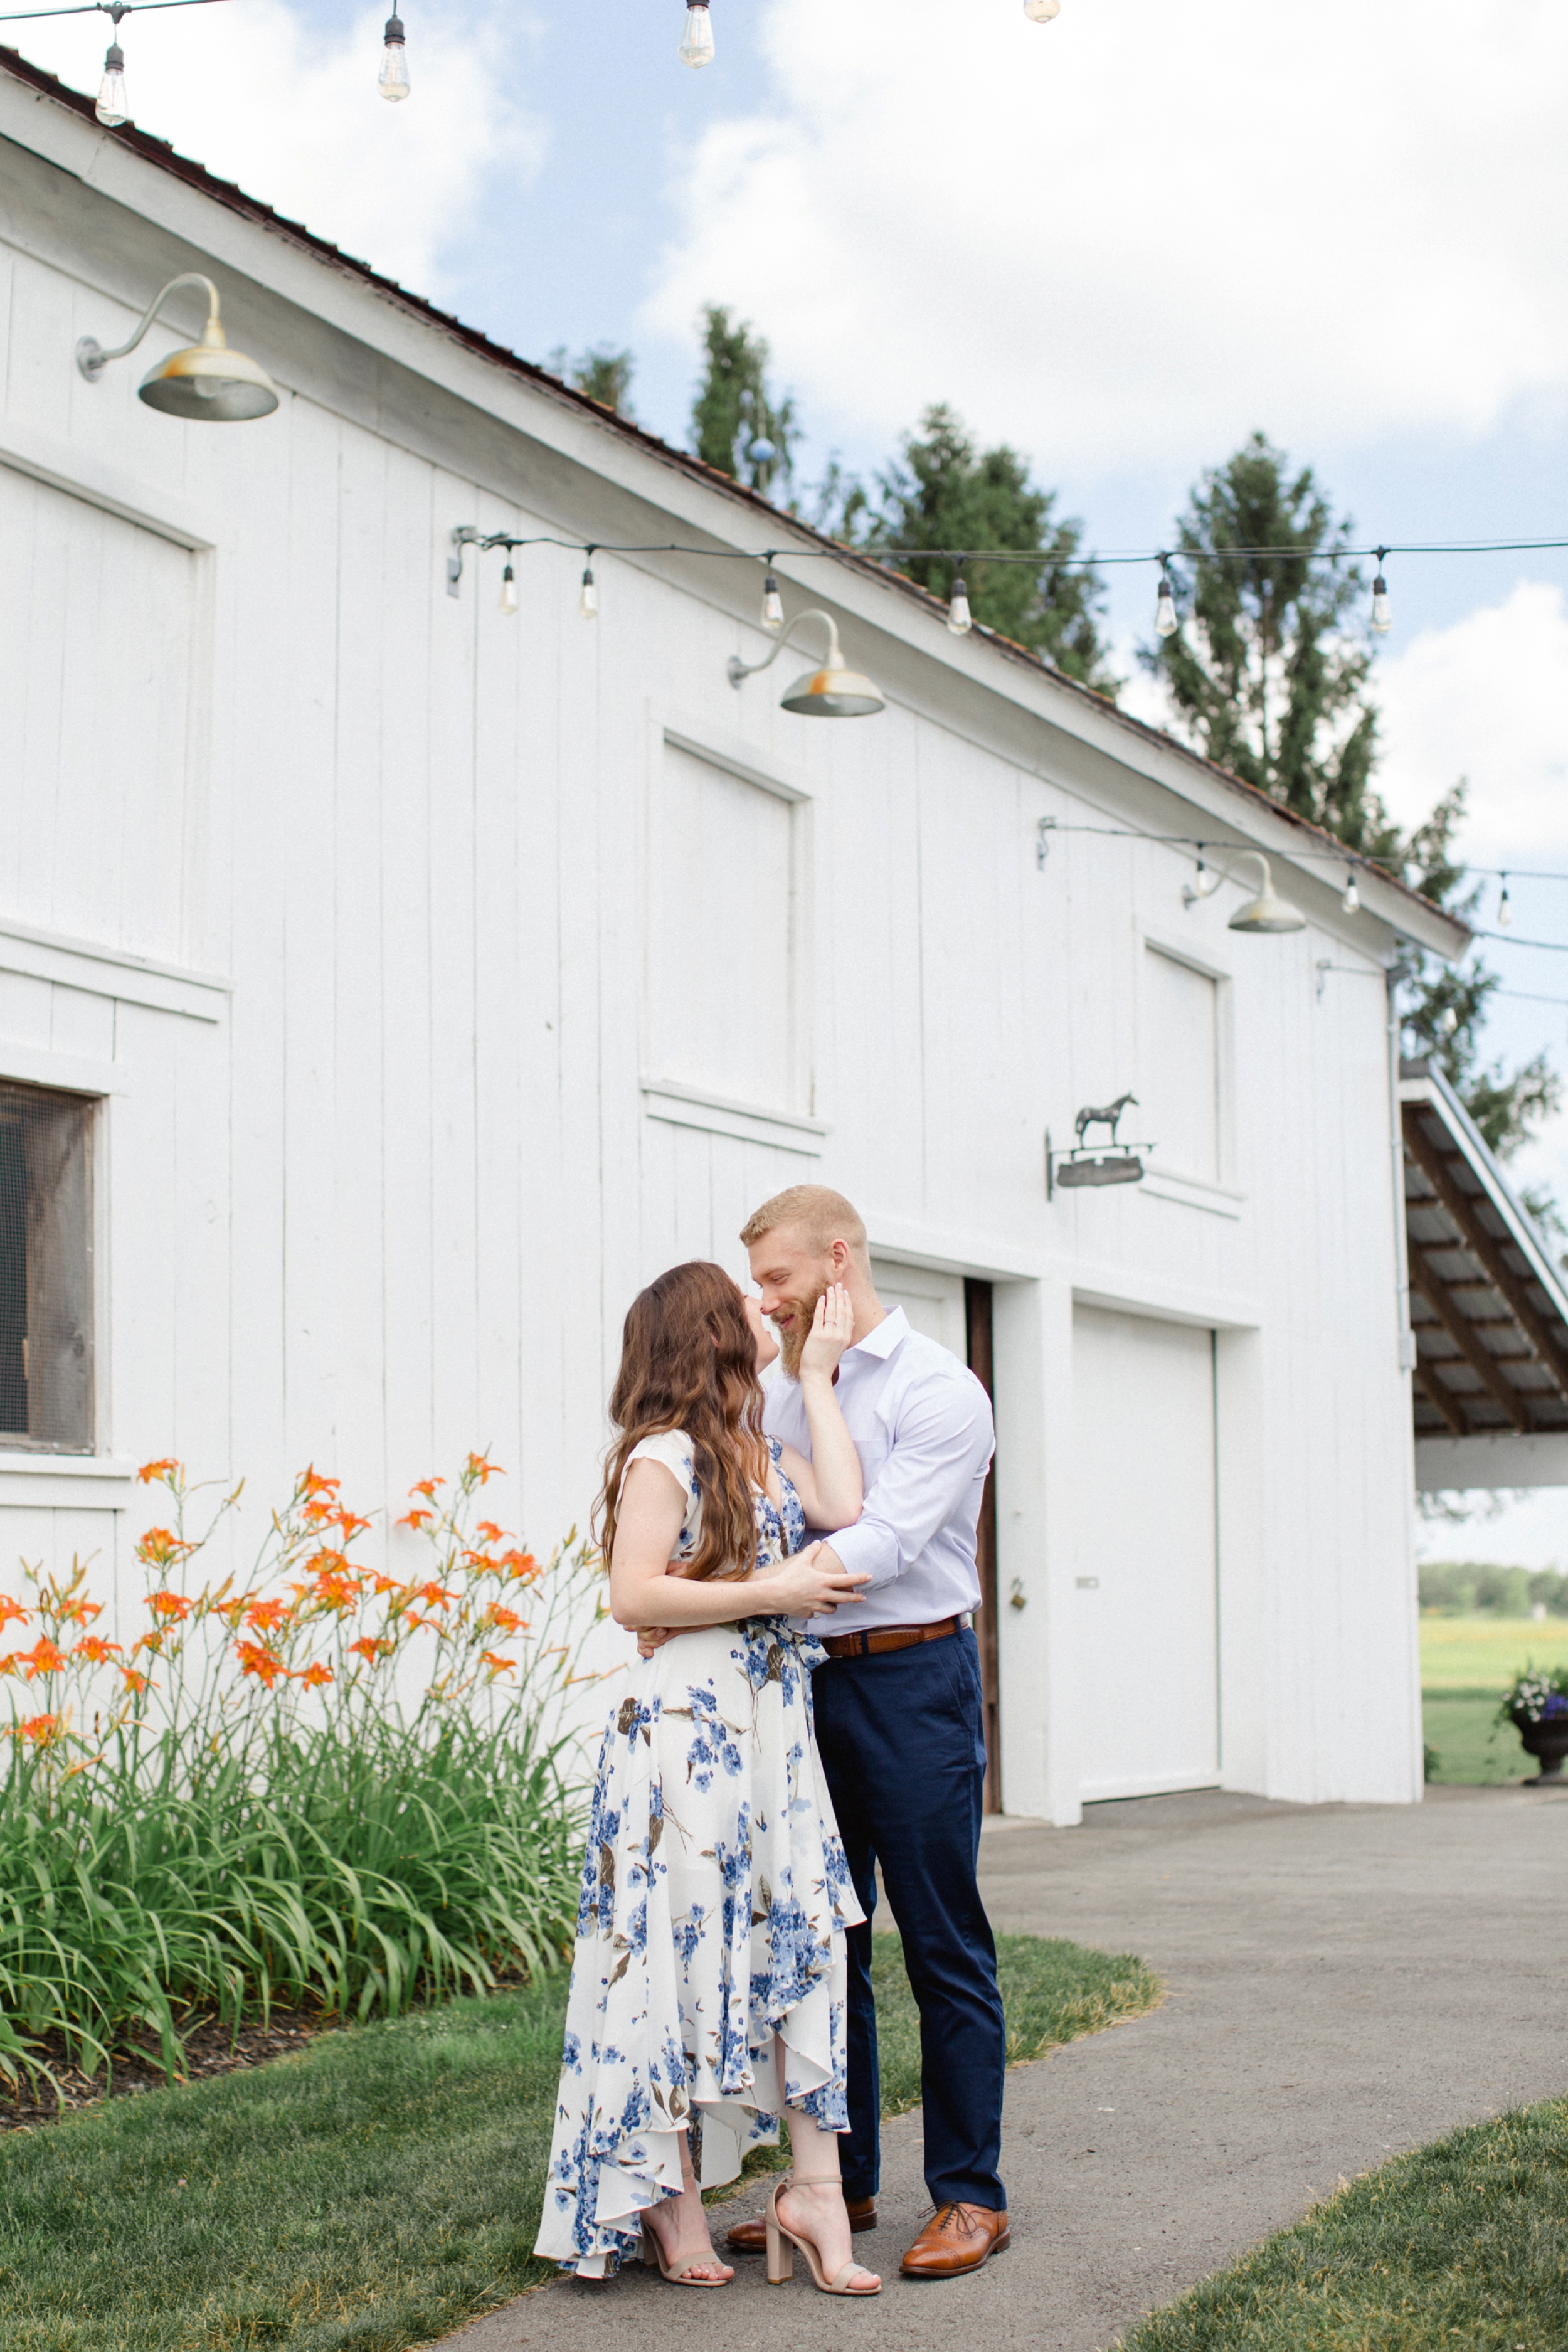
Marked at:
<point>1537,1707</point>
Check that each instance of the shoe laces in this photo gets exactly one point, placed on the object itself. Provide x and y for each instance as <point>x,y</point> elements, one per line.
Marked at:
<point>957,2217</point>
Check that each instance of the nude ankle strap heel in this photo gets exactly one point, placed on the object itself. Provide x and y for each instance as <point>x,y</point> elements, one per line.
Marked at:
<point>782,2241</point>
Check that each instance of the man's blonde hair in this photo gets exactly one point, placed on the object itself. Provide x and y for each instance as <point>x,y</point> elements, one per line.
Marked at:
<point>821,1216</point>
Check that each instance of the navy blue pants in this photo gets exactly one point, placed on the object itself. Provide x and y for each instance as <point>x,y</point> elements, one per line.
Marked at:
<point>904,1749</point>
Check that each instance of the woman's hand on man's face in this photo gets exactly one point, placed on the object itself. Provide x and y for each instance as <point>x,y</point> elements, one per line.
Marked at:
<point>832,1328</point>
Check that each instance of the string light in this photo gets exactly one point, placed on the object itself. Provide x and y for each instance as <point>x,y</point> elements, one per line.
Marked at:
<point>1040,12</point>
<point>697,41</point>
<point>509,591</point>
<point>1382,611</point>
<point>1351,902</point>
<point>773,602</point>
<point>113,106</point>
<point>588,597</point>
<point>1504,906</point>
<point>959,620</point>
<point>1165,621</point>
<point>392,79</point>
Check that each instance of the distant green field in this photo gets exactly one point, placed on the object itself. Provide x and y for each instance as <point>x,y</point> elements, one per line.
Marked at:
<point>1485,1652</point>
<point>1466,1664</point>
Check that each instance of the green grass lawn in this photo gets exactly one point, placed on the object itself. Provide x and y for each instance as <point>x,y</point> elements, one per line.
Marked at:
<point>1459,2247</point>
<point>1466,1664</point>
<point>377,2190</point>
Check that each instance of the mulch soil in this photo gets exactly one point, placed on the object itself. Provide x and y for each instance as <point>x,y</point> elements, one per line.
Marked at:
<point>209,2048</point>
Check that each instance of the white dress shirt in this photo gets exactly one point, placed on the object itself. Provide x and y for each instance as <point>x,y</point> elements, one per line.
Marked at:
<point>921,1425</point>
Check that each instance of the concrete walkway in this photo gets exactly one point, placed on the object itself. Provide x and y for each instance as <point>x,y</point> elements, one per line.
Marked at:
<point>1342,1982</point>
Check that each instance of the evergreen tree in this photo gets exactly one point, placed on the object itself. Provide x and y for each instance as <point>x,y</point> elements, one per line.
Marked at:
<point>737,423</point>
<point>1270,676</point>
<point>604,373</point>
<point>941,491</point>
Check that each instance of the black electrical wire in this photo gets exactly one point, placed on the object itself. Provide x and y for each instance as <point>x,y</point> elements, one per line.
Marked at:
<point>1041,558</point>
<point>100,8</point>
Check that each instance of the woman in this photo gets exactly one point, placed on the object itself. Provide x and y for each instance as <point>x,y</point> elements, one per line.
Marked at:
<point>708,1982</point>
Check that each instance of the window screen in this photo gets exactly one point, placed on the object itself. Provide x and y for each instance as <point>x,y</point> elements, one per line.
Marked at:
<point>45,1270</point>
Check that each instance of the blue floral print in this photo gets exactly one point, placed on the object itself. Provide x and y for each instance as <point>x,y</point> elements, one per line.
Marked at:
<point>711,1957</point>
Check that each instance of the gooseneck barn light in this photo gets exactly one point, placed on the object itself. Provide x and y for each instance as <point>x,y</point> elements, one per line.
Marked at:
<point>831,692</point>
<point>206,382</point>
<point>1268,912</point>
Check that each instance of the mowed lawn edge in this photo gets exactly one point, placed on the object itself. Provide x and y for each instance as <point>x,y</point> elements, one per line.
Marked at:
<point>373,2192</point>
<point>1462,2243</point>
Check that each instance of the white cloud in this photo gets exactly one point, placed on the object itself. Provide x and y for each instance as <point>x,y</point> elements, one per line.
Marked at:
<point>1485,699</point>
<point>1120,237</point>
<point>262,97</point>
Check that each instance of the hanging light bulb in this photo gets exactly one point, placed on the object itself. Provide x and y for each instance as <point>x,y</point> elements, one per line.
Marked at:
<point>1449,1020</point>
<point>113,107</point>
<point>1382,610</point>
<point>773,603</point>
<point>697,42</point>
<point>393,78</point>
<point>1165,621</point>
<point>1040,12</point>
<point>1504,906</point>
<point>958,618</point>
<point>588,602</point>
<point>508,589</point>
<point>1351,902</point>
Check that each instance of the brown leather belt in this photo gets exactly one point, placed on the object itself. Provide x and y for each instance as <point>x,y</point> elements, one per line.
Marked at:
<point>886,1637</point>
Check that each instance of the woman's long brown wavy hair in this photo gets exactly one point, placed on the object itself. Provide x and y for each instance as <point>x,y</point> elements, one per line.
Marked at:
<point>688,1362</point>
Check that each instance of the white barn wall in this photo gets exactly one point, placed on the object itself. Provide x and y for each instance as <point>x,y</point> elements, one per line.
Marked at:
<point>391,1199</point>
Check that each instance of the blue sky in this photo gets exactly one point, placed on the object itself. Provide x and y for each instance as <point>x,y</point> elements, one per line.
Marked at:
<point>1119,241</point>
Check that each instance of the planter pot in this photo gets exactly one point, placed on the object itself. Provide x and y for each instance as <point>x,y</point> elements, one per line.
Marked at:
<point>1548,1742</point>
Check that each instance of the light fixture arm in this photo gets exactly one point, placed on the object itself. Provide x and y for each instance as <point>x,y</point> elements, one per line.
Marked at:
<point>92,359</point>
<point>1209,877</point>
<point>739,671</point>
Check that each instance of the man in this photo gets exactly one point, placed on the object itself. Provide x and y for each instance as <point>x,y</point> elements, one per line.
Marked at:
<point>899,1715</point>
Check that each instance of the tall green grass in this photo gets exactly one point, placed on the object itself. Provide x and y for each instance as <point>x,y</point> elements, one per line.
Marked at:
<point>245,1809</point>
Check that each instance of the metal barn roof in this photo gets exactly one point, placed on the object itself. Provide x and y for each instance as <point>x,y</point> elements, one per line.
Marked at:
<point>1488,1305</point>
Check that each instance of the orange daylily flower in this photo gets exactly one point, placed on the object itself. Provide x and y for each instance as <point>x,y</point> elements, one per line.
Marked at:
<point>264,1664</point>
<point>165,1470</point>
<point>498,1665</point>
<point>44,1658</point>
<point>134,1681</point>
<point>384,1584</point>
<point>520,1565</point>
<point>418,1520</point>
<point>427,1487</point>
<point>314,1676</point>
<point>265,1616</point>
<point>505,1620</point>
<point>432,1595</point>
<point>490,1532</point>
<point>11,1610</point>
<point>43,1729</point>
<point>160,1546</point>
<point>173,1605</point>
<point>80,1612</point>
<point>95,1652</point>
<point>482,1470</point>
<point>370,1649</point>
<point>314,1484</point>
<point>350,1522</point>
<point>232,1610</point>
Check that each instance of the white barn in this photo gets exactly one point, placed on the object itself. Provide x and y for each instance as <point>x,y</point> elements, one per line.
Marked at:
<point>389,986</point>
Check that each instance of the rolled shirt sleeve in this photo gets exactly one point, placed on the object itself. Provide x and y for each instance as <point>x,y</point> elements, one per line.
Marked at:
<point>942,1448</point>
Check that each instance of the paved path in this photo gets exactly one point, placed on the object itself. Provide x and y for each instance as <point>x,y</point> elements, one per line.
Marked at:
<point>1342,1982</point>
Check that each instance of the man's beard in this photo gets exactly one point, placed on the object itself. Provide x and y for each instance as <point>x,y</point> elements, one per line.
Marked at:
<point>793,1341</point>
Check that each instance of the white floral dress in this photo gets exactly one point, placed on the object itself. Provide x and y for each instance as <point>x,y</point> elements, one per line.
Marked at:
<point>711,1921</point>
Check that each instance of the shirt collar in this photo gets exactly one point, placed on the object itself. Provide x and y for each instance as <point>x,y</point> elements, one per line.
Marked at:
<point>890,1333</point>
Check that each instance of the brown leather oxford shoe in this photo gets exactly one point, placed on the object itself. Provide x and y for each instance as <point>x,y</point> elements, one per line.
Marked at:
<point>751,2237</point>
<point>956,2239</point>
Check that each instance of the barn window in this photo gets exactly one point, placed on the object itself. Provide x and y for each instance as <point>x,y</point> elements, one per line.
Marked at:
<point>1179,1066</point>
<point>45,1270</point>
<point>724,943</point>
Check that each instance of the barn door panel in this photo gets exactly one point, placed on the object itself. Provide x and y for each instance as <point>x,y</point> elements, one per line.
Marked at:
<point>1144,1618</point>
